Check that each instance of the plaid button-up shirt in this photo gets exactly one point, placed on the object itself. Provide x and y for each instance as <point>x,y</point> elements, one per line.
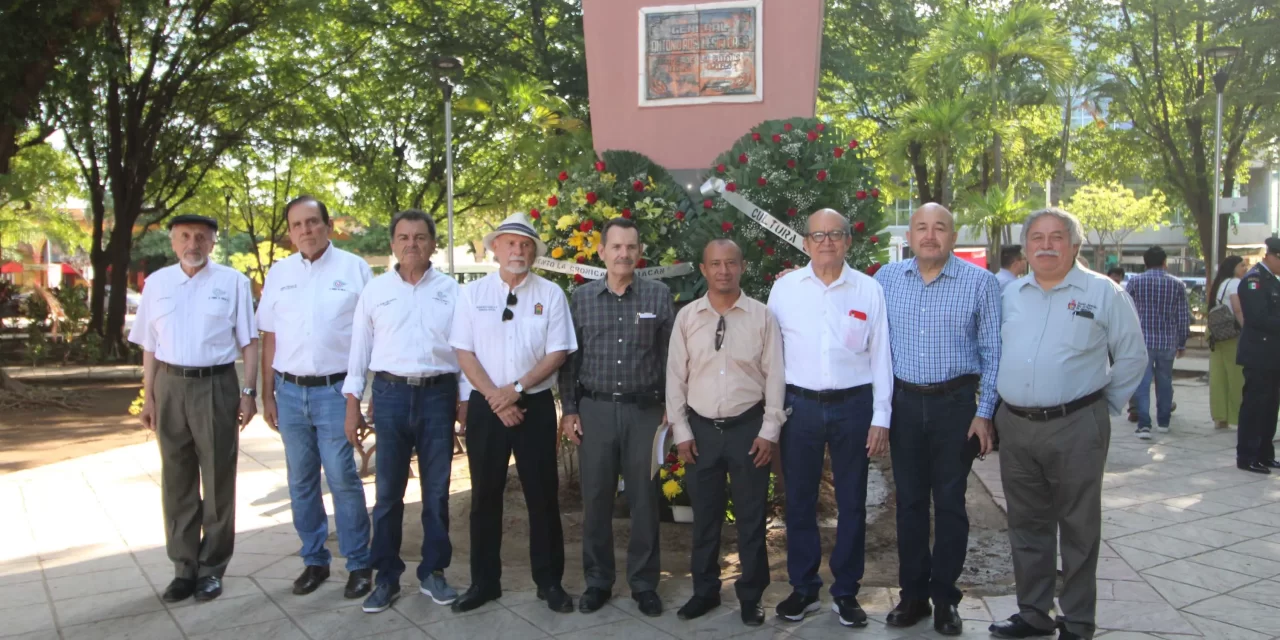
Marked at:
<point>1161,300</point>
<point>622,340</point>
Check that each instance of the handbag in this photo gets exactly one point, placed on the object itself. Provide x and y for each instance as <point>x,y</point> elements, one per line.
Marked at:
<point>1222,321</point>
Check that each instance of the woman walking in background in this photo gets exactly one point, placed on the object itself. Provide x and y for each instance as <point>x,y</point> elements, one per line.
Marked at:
<point>1226,378</point>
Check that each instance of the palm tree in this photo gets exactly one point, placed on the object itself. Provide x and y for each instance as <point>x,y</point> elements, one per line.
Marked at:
<point>992,44</point>
<point>938,127</point>
<point>992,212</point>
<point>1082,87</point>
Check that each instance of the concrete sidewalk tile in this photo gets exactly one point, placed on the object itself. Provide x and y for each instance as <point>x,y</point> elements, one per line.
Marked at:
<point>282,629</point>
<point>1239,563</point>
<point>423,611</point>
<point>629,629</point>
<point>1154,617</point>
<point>1127,591</point>
<point>1242,613</point>
<point>1221,630</point>
<point>1139,559</point>
<point>23,595</point>
<point>1261,517</point>
<point>1198,575</point>
<point>226,613</point>
<point>1116,569</point>
<point>1198,532</point>
<point>1234,525</point>
<point>1258,549</point>
<point>328,597</point>
<point>148,626</point>
<point>247,564</point>
<point>1178,594</point>
<point>497,624</point>
<point>350,622</point>
<point>1161,544</point>
<point>97,582</point>
<point>1262,592</point>
<point>1200,504</point>
<point>20,573</point>
<point>105,606</point>
<point>974,609</point>
<point>26,619</point>
<point>232,587</point>
<point>77,563</point>
<point>557,623</point>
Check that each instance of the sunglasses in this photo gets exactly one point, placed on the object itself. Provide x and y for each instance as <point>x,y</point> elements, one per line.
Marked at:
<point>508,314</point>
<point>720,333</point>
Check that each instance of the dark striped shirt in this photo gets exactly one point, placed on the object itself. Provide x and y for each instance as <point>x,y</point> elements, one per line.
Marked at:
<point>1161,301</point>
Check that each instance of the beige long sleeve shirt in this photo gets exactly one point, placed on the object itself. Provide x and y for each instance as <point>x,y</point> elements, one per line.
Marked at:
<point>725,382</point>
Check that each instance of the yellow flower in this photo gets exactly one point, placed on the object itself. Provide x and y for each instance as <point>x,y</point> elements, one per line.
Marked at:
<point>579,197</point>
<point>662,474</point>
<point>680,471</point>
<point>557,253</point>
<point>671,489</point>
<point>546,237</point>
<point>577,239</point>
<point>595,238</point>
<point>566,222</point>
<point>608,178</point>
<point>607,211</point>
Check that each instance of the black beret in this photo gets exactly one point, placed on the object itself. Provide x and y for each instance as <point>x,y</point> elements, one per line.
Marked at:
<point>191,218</point>
<point>1273,245</point>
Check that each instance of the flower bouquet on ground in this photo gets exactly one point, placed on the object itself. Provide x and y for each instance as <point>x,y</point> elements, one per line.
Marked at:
<point>671,478</point>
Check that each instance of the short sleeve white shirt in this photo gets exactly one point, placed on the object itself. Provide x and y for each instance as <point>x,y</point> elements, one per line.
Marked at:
<point>310,306</point>
<point>541,324</point>
<point>1229,287</point>
<point>198,321</point>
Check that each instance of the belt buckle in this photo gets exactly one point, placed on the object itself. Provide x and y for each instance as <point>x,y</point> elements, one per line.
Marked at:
<point>414,382</point>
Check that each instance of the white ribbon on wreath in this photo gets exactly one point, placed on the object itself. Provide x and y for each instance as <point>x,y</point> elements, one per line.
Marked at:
<point>761,217</point>
<point>595,273</point>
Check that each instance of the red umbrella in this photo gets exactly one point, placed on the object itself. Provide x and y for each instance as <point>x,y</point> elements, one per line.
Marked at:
<point>68,270</point>
<point>11,267</point>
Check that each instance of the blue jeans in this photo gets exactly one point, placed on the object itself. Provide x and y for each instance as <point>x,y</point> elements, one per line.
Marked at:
<point>310,422</point>
<point>1159,363</point>
<point>408,418</point>
<point>812,427</point>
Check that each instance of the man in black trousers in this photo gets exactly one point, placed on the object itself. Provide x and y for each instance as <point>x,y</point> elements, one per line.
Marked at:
<point>1259,354</point>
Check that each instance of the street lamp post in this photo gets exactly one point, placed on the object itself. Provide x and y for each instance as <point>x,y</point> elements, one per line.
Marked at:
<point>448,68</point>
<point>1220,85</point>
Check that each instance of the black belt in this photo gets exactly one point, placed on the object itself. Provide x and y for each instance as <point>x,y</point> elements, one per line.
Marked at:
<point>418,381</point>
<point>753,413</point>
<point>940,387</point>
<point>833,395</point>
<point>196,372</point>
<point>1046,414</point>
<point>639,398</point>
<point>313,381</point>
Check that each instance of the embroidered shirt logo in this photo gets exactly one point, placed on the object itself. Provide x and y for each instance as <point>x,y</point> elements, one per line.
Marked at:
<point>338,284</point>
<point>537,309</point>
<point>218,294</point>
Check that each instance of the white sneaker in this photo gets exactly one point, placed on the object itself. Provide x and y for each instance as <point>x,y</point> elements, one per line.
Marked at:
<point>1160,429</point>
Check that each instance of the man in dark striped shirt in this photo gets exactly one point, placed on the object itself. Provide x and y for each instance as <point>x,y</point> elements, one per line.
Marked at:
<point>1161,300</point>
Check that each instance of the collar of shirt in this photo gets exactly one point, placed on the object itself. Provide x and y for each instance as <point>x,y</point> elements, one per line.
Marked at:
<point>949,268</point>
<point>1076,277</point>
<point>809,274</point>
<point>704,304</point>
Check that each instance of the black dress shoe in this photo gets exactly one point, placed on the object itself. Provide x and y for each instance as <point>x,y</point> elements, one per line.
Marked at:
<point>752,613</point>
<point>359,584</point>
<point>946,620</point>
<point>1016,627</point>
<point>310,580</point>
<point>1274,464</point>
<point>908,612</point>
<point>593,599</point>
<point>208,588</point>
<point>1063,634</point>
<point>178,590</point>
<point>696,607</point>
<point>650,603</point>
<point>557,600</point>
<point>1254,467</point>
<point>475,597</point>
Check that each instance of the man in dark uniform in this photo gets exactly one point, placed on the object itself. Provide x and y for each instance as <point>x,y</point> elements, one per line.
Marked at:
<point>1259,354</point>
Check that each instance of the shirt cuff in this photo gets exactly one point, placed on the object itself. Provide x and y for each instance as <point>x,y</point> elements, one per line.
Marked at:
<point>880,419</point>
<point>681,432</point>
<point>986,409</point>
<point>354,387</point>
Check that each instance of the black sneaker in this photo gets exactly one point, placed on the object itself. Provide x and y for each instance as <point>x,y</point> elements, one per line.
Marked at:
<point>1143,433</point>
<point>850,612</point>
<point>797,606</point>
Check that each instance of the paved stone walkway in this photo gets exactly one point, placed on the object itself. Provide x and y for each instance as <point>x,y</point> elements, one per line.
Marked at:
<point>1192,549</point>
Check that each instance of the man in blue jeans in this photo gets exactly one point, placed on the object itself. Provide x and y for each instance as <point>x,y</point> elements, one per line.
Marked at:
<point>1161,301</point>
<point>839,377</point>
<point>308,301</point>
<point>401,332</point>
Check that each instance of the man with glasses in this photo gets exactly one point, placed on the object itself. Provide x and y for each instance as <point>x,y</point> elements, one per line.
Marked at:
<point>724,397</point>
<point>839,379</point>
<point>616,382</point>
<point>400,332</point>
<point>512,332</point>
<point>307,309</point>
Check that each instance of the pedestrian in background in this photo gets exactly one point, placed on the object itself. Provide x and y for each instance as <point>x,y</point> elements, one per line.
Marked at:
<point>1226,378</point>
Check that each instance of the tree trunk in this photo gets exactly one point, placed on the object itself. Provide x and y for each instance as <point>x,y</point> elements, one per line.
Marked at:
<point>1060,172</point>
<point>921,170</point>
<point>995,243</point>
<point>119,254</point>
<point>97,256</point>
<point>997,155</point>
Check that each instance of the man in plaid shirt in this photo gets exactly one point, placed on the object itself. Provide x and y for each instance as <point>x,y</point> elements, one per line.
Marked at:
<point>1161,300</point>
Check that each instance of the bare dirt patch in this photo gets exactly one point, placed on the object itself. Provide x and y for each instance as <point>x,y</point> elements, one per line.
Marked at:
<point>36,437</point>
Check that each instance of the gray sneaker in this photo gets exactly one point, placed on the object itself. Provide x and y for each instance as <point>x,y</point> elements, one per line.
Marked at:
<point>1144,433</point>
<point>439,590</point>
<point>383,596</point>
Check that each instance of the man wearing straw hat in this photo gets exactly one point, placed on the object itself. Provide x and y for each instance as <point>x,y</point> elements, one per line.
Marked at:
<point>512,331</point>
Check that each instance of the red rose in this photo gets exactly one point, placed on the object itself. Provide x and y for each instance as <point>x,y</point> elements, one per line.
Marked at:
<point>875,193</point>
<point>769,251</point>
<point>742,159</point>
<point>871,270</point>
<point>853,144</point>
<point>862,195</point>
<point>761,181</point>
<point>671,457</point>
<point>637,185</point>
<point>859,226</point>
<point>787,264</point>
<point>553,201</point>
<point>582,259</point>
<point>731,187</point>
<point>839,152</point>
<point>563,176</point>
<point>874,239</point>
<point>726,227</point>
<point>812,136</point>
<point>759,243</point>
<point>679,215</point>
<point>641,263</point>
<point>822,175</point>
<point>777,138</point>
<point>755,137</point>
<point>578,279</point>
<point>591,197</point>
<point>586,226</point>
<point>533,213</point>
<point>599,166</point>
<point>787,127</point>
<point>791,164</point>
<point>821,127</point>
<point>720,168</point>
<point>675,466</point>
<point>768,277</point>
<point>626,213</point>
<point>707,204</point>
<point>792,212</point>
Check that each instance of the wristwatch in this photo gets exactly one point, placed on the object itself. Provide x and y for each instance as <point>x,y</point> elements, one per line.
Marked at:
<point>518,387</point>
<point>249,391</point>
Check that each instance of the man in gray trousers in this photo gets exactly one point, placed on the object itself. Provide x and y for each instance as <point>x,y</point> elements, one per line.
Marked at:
<point>1062,323</point>
<point>611,392</point>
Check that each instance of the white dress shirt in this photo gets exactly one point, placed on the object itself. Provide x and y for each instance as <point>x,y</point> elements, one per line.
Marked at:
<point>403,329</point>
<point>310,306</point>
<point>200,321</point>
<point>508,350</point>
<point>835,336</point>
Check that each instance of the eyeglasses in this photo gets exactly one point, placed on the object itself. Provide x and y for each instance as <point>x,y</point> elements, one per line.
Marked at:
<point>720,333</point>
<point>508,314</point>
<point>818,236</point>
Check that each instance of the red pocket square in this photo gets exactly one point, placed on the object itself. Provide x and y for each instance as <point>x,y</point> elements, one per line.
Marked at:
<point>857,314</point>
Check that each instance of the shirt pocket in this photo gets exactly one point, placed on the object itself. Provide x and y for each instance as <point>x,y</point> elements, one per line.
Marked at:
<point>854,333</point>
<point>337,308</point>
<point>288,309</point>
<point>162,315</point>
<point>533,335</point>
<point>1080,332</point>
<point>646,332</point>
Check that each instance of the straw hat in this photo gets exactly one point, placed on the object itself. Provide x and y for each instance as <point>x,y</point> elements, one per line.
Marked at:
<point>518,224</point>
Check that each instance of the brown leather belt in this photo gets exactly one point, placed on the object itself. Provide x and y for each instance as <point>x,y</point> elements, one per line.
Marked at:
<point>753,413</point>
<point>313,381</point>
<point>196,372</point>
<point>940,387</point>
<point>1045,414</point>
<point>832,395</point>
<point>417,381</point>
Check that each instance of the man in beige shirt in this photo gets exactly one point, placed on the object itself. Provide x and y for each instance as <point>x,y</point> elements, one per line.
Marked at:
<point>725,390</point>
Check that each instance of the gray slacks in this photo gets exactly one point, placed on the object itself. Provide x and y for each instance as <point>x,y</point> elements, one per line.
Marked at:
<point>618,437</point>
<point>1052,477</point>
<point>199,436</point>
